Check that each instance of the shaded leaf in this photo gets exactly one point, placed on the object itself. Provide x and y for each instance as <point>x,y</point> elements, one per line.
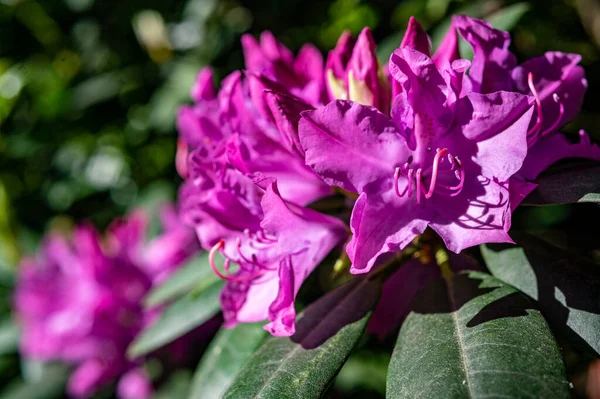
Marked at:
<point>475,337</point>
<point>195,275</point>
<point>566,186</point>
<point>50,384</point>
<point>364,370</point>
<point>177,386</point>
<point>9,337</point>
<point>304,365</point>
<point>565,286</point>
<point>179,318</point>
<point>224,358</point>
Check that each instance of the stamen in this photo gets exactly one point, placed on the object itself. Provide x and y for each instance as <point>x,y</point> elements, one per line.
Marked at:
<point>561,113</point>
<point>535,130</point>
<point>410,182</point>
<point>419,182</point>
<point>228,276</point>
<point>436,163</point>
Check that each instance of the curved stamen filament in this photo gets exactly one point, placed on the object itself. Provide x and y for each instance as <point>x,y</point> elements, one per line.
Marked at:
<point>561,113</point>
<point>435,170</point>
<point>419,182</point>
<point>536,131</point>
<point>218,247</point>
<point>436,164</point>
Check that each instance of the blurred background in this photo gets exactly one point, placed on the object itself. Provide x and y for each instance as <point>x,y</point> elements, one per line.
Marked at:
<point>89,91</point>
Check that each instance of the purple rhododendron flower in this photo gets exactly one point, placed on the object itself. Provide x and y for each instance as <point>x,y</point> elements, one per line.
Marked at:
<point>353,72</point>
<point>227,195</point>
<point>80,300</point>
<point>274,261</point>
<point>555,80</point>
<point>442,161</point>
<point>301,75</point>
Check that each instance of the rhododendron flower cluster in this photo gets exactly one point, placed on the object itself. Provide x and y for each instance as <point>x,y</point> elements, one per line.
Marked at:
<point>422,141</point>
<point>79,300</point>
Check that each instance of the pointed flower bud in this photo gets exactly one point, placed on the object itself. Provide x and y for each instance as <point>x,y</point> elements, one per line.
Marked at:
<point>416,38</point>
<point>335,68</point>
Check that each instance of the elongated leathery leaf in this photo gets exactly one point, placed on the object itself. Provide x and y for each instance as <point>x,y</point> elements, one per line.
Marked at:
<point>181,317</point>
<point>224,358</point>
<point>195,275</point>
<point>475,337</point>
<point>304,365</point>
<point>565,286</point>
<point>566,186</point>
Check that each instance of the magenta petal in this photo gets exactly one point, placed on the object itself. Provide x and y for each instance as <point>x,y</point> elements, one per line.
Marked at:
<point>498,123</point>
<point>382,223</point>
<point>204,87</point>
<point>88,377</point>
<point>286,113</point>
<point>486,219</point>
<point>554,73</point>
<point>135,384</point>
<point>448,51</point>
<point>416,38</point>
<point>275,50</point>
<point>338,58</point>
<point>350,145</point>
<point>519,189</point>
<point>309,63</point>
<point>492,60</point>
<point>422,81</point>
<point>397,295</point>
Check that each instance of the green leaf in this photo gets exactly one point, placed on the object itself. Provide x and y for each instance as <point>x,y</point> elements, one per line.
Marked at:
<point>475,337</point>
<point>304,365</point>
<point>508,17</point>
<point>9,336</point>
<point>181,317</point>
<point>387,46</point>
<point>566,186</point>
<point>364,370</point>
<point>49,385</point>
<point>565,285</point>
<point>150,201</point>
<point>195,275</point>
<point>224,358</point>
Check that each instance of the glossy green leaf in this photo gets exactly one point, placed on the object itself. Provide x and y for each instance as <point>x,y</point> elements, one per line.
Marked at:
<point>179,318</point>
<point>475,337</point>
<point>50,384</point>
<point>224,358</point>
<point>196,275</point>
<point>304,365</point>
<point>564,285</point>
<point>566,186</point>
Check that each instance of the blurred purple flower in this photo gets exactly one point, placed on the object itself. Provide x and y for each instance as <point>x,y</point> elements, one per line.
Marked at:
<point>80,300</point>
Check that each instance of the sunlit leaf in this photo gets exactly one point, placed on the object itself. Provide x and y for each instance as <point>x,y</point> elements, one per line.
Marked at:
<point>195,276</point>
<point>475,337</point>
<point>224,358</point>
<point>179,318</point>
